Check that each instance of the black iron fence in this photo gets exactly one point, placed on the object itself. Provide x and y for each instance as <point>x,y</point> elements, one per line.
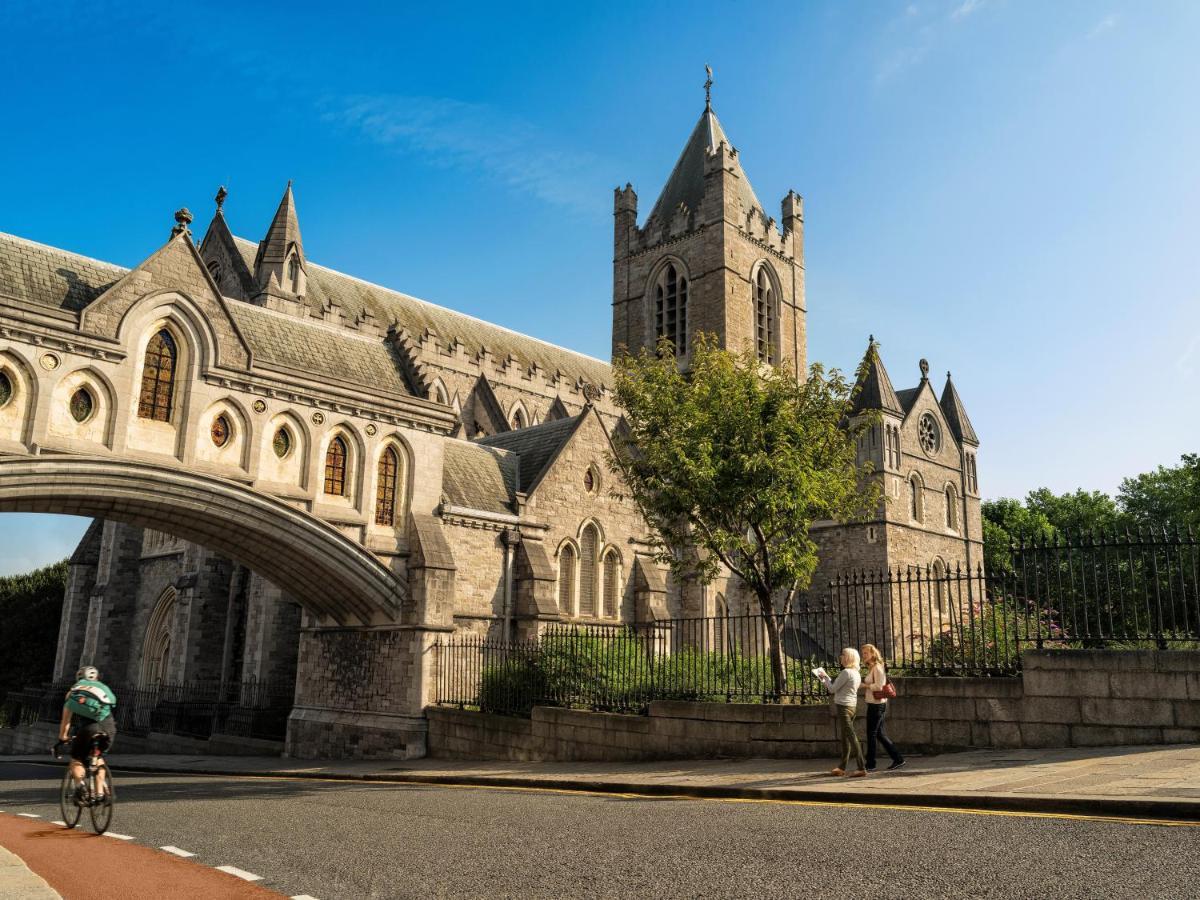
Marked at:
<point>197,709</point>
<point>1082,591</point>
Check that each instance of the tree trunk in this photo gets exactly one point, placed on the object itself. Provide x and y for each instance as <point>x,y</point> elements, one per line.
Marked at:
<point>774,645</point>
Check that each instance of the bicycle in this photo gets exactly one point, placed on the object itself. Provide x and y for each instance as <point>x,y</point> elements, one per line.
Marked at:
<point>96,792</point>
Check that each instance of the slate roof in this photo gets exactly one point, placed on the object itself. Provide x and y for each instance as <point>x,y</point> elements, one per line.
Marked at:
<point>478,477</point>
<point>686,182</point>
<point>907,398</point>
<point>333,354</point>
<point>283,232</point>
<point>38,275</point>
<point>536,446</point>
<point>387,306</point>
<point>956,414</point>
<point>876,387</point>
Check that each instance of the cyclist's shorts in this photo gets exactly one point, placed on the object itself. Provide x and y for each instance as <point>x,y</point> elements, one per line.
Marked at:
<point>81,744</point>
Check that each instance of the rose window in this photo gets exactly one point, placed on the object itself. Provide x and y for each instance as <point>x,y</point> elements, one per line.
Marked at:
<point>929,434</point>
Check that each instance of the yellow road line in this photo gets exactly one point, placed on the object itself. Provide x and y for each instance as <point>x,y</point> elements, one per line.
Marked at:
<point>633,795</point>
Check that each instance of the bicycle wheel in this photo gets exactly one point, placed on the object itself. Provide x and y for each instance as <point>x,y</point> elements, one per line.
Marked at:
<point>71,811</point>
<point>101,810</point>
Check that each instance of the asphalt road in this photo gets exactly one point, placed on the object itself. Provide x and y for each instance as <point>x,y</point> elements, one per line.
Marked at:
<point>341,840</point>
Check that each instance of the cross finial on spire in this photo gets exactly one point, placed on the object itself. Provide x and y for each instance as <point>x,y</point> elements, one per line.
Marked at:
<point>708,87</point>
<point>220,198</point>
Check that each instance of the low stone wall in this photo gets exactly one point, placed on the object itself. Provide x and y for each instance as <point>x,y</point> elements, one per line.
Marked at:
<point>40,736</point>
<point>1087,698</point>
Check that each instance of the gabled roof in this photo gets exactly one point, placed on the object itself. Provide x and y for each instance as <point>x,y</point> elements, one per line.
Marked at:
<point>956,414</point>
<point>874,387</point>
<point>907,397</point>
<point>283,233</point>
<point>686,182</point>
<point>388,307</point>
<point>35,274</point>
<point>537,446</point>
<point>478,477</point>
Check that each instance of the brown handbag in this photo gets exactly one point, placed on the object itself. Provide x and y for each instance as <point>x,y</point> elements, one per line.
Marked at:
<point>887,692</point>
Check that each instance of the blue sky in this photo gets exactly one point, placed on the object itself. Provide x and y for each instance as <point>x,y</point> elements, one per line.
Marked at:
<point>1009,189</point>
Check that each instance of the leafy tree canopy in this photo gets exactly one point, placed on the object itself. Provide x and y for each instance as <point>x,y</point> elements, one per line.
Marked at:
<point>30,608</point>
<point>737,460</point>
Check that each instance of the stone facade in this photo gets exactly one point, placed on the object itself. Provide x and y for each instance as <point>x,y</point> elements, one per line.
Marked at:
<point>336,474</point>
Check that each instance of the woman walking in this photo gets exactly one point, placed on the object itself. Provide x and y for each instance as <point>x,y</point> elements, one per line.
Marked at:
<point>845,703</point>
<point>877,707</point>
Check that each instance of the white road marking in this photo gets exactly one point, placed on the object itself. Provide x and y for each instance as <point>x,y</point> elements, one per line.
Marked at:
<point>176,851</point>
<point>29,815</point>
<point>239,873</point>
<point>119,837</point>
<point>303,897</point>
<point>56,822</point>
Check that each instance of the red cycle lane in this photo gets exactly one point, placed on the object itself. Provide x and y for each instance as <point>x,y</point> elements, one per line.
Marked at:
<point>81,865</point>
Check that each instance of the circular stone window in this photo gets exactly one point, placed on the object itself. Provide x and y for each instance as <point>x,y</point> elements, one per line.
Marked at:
<point>6,388</point>
<point>591,480</point>
<point>282,444</point>
<point>221,431</point>
<point>929,433</point>
<point>82,405</point>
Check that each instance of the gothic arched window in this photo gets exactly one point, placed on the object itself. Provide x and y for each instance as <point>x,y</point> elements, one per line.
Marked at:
<point>670,308</point>
<point>916,503</point>
<point>589,547</point>
<point>940,580</point>
<point>6,388</point>
<point>566,580</point>
<point>612,586</point>
<point>951,508</point>
<point>156,645</point>
<point>517,419</point>
<point>293,273</point>
<point>764,320</point>
<point>385,488</point>
<point>335,468</point>
<point>158,378</point>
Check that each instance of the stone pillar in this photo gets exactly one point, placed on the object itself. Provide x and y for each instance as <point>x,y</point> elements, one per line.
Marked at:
<point>536,589</point>
<point>272,640</point>
<point>201,607</point>
<point>112,605</point>
<point>362,691</point>
<point>81,582</point>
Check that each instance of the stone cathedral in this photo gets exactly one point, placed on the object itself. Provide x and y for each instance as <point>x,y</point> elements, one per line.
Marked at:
<point>468,459</point>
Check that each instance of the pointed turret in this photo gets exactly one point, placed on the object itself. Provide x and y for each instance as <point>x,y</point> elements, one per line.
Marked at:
<point>281,252</point>
<point>956,414</point>
<point>686,184</point>
<point>874,388</point>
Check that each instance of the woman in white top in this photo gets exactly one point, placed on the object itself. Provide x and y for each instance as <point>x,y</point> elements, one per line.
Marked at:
<point>877,707</point>
<point>845,701</point>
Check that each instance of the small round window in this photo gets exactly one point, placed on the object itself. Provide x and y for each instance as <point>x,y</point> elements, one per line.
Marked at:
<point>282,443</point>
<point>82,405</point>
<point>930,435</point>
<point>591,480</point>
<point>6,388</point>
<point>221,431</point>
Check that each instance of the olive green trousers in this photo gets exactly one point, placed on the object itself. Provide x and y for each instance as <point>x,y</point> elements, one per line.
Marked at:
<point>849,739</point>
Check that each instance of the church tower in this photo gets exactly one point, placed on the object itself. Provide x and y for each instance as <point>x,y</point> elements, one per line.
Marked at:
<point>710,259</point>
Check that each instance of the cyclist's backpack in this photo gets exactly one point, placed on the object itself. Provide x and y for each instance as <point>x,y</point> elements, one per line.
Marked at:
<point>91,699</point>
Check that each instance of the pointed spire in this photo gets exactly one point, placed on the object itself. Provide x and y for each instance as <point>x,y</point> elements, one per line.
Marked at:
<point>277,249</point>
<point>708,83</point>
<point>956,414</point>
<point>686,182</point>
<point>874,388</point>
<point>284,231</point>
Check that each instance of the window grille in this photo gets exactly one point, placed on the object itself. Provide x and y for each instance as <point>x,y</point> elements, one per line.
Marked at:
<point>670,303</point>
<point>588,546</point>
<point>385,489</point>
<point>566,579</point>
<point>158,378</point>
<point>335,468</point>
<point>764,321</point>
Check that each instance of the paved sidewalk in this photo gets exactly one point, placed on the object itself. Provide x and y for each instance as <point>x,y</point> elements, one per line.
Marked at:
<point>1147,782</point>
<point>16,880</point>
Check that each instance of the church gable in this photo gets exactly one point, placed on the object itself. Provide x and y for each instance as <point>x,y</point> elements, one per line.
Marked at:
<point>922,402</point>
<point>177,267</point>
<point>223,261</point>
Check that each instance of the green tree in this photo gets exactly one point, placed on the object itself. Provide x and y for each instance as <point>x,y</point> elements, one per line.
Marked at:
<point>30,608</point>
<point>1004,521</point>
<point>1166,496</point>
<point>731,464</point>
<point>1076,512</point>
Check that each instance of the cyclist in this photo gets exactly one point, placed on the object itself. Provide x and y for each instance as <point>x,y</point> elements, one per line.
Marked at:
<point>88,707</point>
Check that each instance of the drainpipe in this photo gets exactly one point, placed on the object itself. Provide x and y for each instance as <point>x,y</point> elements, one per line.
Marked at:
<point>509,538</point>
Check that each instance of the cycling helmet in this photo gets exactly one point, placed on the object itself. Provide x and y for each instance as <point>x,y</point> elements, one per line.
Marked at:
<point>88,673</point>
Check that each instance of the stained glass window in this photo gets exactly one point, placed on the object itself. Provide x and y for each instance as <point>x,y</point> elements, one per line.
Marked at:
<point>385,489</point>
<point>220,431</point>
<point>82,405</point>
<point>158,378</point>
<point>6,388</point>
<point>335,468</point>
<point>566,579</point>
<point>282,443</point>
